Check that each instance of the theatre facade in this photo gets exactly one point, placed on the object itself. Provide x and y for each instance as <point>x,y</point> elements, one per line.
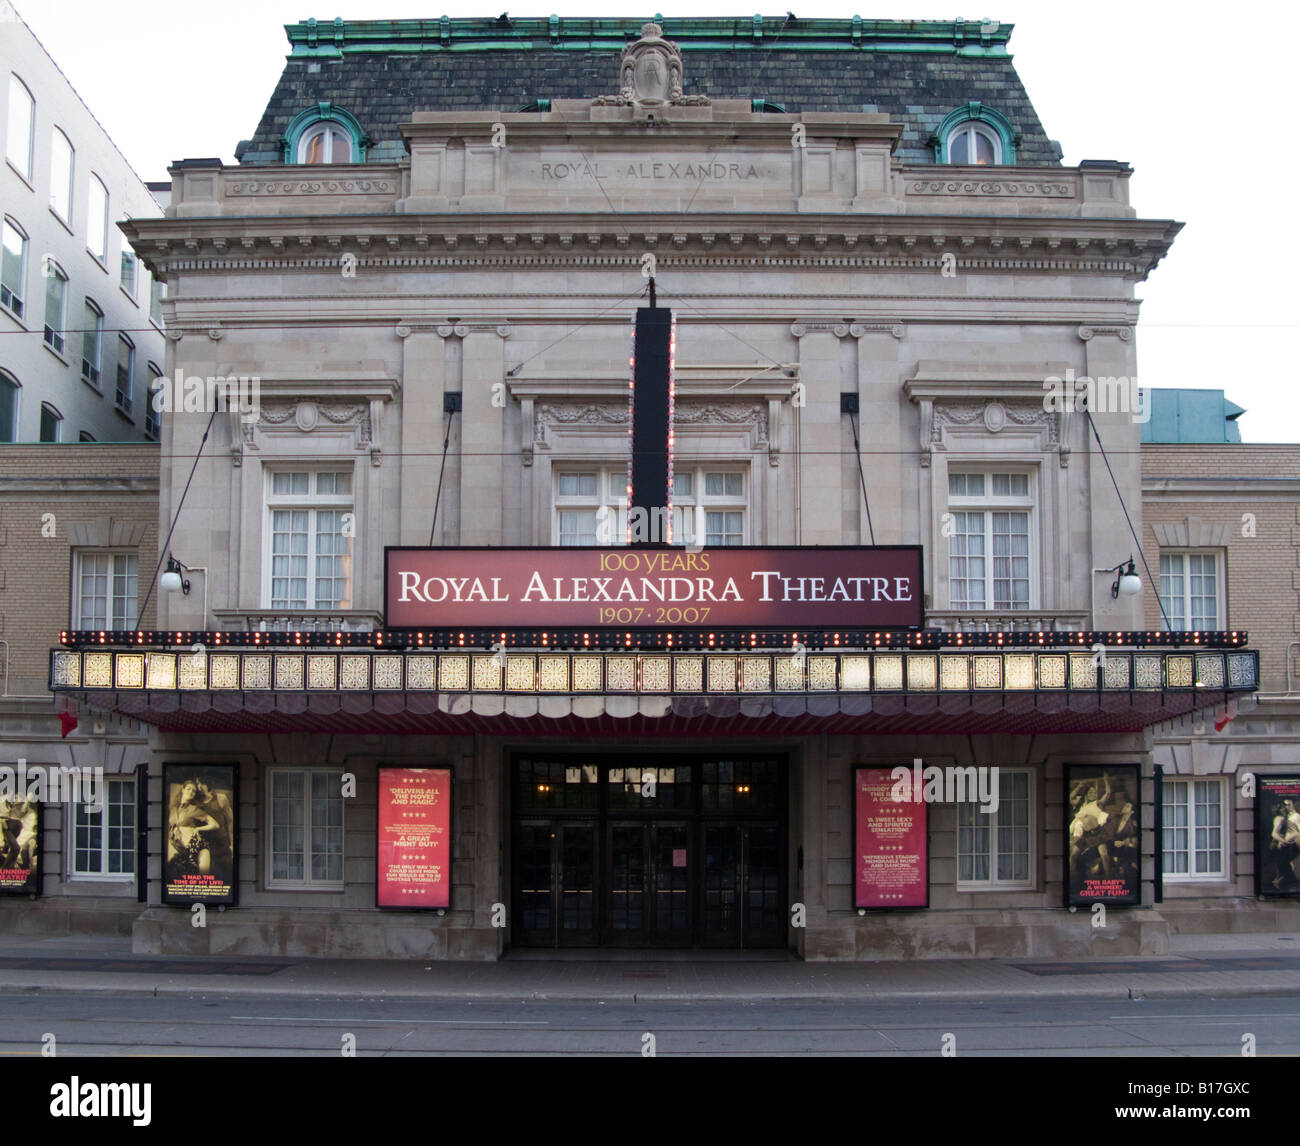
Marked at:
<point>447,675</point>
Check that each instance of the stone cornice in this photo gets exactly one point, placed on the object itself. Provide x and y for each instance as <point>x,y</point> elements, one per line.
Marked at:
<point>917,242</point>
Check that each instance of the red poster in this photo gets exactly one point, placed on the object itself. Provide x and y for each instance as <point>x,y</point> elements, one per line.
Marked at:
<point>889,863</point>
<point>414,854</point>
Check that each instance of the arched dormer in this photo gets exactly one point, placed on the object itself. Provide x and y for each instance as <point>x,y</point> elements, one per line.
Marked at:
<point>975,135</point>
<point>325,133</point>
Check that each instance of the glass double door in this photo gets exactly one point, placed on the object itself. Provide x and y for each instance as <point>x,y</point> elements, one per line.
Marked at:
<point>601,871</point>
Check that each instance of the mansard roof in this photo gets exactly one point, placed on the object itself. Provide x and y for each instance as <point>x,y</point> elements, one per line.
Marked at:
<point>917,72</point>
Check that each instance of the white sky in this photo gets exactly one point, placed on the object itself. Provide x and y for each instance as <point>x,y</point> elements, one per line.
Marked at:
<point>1196,97</point>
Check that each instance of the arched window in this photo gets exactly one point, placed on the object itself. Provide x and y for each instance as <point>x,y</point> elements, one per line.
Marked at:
<point>97,218</point>
<point>56,304</point>
<point>22,120</point>
<point>62,169</point>
<point>13,268</point>
<point>325,133</point>
<point>8,407</point>
<point>152,413</point>
<point>975,135</point>
<point>51,423</point>
<point>92,338</point>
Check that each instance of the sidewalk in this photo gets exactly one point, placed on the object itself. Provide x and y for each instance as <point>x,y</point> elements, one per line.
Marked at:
<point>1197,966</point>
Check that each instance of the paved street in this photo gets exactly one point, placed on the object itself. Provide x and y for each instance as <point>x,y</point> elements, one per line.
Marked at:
<point>100,1024</point>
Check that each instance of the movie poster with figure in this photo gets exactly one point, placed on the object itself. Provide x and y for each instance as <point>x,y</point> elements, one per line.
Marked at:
<point>201,823</point>
<point>1277,836</point>
<point>1103,834</point>
<point>20,846</point>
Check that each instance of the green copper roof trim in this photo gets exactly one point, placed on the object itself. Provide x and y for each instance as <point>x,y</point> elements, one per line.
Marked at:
<point>309,117</point>
<point>317,40</point>
<point>981,113</point>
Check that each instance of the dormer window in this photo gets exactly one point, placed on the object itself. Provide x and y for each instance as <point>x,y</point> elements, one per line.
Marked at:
<point>975,135</point>
<point>326,144</point>
<point>975,144</point>
<point>325,133</point>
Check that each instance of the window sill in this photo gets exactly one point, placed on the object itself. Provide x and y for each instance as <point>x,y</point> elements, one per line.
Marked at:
<point>135,302</point>
<point>100,262</point>
<point>123,414</point>
<point>62,222</point>
<point>91,877</point>
<point>977,888</point>
<point>320,888</point>
<point>56,353</point>
<point>8,311</point>
<point>25,178</point>
<point>93,385</point>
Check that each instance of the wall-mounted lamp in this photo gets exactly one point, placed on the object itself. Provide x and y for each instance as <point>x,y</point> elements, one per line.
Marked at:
<point>1126,579</point>
<point>172,579</point>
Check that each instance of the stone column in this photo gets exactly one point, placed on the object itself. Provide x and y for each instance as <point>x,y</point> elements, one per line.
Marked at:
<point>483,438</point>
<point>880,431</point>
<point>422,428</point>
<point>820,435</point>
<point>1108,353</point>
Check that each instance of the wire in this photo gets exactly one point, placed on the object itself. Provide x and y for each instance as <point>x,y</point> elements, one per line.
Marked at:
<point>857,452</point>
<point>163,549</point>
<point>442,469</point>
<point>1150,580</point>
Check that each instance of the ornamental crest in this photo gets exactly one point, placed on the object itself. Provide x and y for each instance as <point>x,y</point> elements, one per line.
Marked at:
<point>650,74</point>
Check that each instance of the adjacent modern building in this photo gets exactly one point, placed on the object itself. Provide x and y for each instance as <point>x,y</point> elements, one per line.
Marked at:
<point>80,315</point>
<point>419,686</point>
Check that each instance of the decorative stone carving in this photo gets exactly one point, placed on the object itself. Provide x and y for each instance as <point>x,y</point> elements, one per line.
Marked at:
<point>650,74</point>
<point>310,187</point>
<point>1042,190</point>
<point>995,416</point>
<point>1123,333</point>
<point>858,329</point>
<point>548,416</point>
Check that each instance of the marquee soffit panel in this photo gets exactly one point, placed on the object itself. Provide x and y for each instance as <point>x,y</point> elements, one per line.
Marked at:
<point>558,692</point>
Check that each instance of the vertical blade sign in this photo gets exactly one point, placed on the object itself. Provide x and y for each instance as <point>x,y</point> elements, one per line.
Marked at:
<point>650,430</point>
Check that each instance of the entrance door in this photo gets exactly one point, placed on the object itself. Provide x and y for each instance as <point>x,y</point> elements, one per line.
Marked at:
<point>555,878</point>
<point>742,901</point>
<point>648,900</point>
<point>648,851</point>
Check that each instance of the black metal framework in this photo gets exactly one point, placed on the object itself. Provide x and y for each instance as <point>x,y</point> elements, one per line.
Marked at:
<point>1277,836</point>
<point>22,860</point>
<point>684,640</point>
<point>682,850</point>
<point>200,846</point>
<point>1103,835</point>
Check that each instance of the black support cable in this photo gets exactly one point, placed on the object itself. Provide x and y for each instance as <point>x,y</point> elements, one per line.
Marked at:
<point>442,469</point>
<point>1136,541</point>
<point>164,548</point>
<point>857,453</point>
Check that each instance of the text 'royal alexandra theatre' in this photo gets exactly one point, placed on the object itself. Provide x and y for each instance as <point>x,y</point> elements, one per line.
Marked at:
<point>795,634</point>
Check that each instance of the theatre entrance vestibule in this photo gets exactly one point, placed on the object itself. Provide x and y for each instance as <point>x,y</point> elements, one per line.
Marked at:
<point>623,850</point>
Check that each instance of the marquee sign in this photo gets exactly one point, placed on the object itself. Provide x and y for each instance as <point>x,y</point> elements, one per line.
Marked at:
<point>722,588</point>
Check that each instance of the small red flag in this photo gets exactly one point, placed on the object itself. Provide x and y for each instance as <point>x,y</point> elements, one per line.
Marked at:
<point>69,722</point>
<point>1223,719</point>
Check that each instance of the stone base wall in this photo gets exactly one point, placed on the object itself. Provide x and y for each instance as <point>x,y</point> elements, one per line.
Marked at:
<point>312,934</point>
<point>1047,934</point>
